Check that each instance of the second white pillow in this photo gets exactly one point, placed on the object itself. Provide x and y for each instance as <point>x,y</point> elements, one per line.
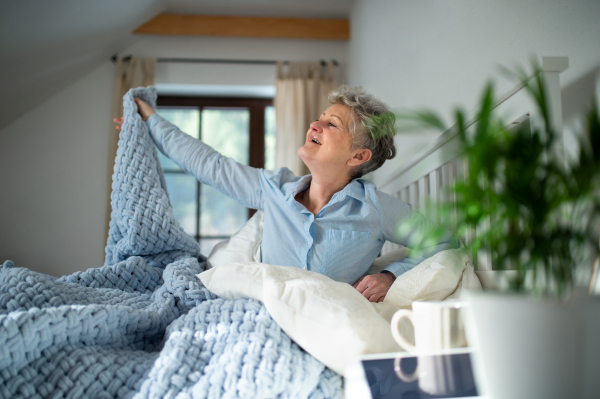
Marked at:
<point>242,247</point>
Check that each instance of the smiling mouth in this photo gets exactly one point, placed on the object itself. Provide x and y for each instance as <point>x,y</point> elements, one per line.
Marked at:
<point>314,140</point>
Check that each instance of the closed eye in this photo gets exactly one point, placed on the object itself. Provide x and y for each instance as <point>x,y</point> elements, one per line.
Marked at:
<point>330,123</point>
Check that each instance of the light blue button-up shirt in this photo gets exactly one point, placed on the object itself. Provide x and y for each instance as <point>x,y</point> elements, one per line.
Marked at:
<point>341,241</point>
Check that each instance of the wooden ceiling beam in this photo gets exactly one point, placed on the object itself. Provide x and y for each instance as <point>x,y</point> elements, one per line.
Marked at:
<point>217,25</point>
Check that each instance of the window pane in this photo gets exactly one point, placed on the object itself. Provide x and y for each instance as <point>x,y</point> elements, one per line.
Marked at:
<point>182,191</point>
<point>270,137</point>
<point>227,131</point>
<point>221,215</point>
<point>187,120</point>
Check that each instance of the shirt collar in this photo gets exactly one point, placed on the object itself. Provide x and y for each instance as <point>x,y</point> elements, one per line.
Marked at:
<point>293,188</point>
<point>355,189</point>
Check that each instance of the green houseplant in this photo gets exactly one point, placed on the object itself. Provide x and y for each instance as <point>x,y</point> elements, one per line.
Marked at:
<point>533,209</point>
<point>535,212</point>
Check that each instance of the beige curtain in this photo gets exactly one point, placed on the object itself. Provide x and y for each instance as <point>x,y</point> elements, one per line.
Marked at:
<point>137,72</point>
<point>301,97</point>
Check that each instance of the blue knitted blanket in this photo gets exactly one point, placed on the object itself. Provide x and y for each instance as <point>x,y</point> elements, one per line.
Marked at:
<point>143,325</point>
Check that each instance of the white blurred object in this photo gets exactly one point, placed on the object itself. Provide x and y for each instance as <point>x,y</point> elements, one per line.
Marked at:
<point>529,348</point>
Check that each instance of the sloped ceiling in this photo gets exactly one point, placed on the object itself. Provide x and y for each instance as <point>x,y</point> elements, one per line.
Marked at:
<point>46,45</point>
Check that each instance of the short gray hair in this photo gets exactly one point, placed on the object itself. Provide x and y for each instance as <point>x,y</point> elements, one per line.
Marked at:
<point>376,130</point>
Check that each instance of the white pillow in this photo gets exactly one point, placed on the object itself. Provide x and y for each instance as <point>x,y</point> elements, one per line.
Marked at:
<point>330,320</point>
<point>243,246</point>
<point>434,279</point>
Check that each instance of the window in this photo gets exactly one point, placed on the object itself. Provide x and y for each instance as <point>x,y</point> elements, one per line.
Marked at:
<point>240,128</point>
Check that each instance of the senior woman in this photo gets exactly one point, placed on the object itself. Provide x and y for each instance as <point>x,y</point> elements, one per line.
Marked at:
<point>330,222</point>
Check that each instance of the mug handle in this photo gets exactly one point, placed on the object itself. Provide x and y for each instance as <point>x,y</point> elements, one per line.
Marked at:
<point>401,374</point>
<point>399,315</point>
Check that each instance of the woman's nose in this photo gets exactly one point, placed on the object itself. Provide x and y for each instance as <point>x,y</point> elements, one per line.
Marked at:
<point>316,126</point>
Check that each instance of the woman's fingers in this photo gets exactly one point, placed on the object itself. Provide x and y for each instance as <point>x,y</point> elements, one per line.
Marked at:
<point>377,297</point>
<point>370,292</point>
<point>367,287</point>
<point>119,122</point>
<point>144,109</point>
<point>358,282</point>
<point>374,287</point>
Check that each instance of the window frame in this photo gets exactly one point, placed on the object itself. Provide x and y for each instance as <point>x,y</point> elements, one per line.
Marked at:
<point>256,107</point>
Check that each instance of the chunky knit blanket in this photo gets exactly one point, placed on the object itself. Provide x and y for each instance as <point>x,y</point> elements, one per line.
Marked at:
<point>143,325</point>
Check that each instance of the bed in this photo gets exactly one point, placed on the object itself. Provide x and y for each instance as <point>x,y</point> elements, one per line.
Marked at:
<point>146,325</point>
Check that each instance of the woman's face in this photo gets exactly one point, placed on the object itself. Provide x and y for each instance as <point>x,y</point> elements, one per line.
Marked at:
<point>328,145</point>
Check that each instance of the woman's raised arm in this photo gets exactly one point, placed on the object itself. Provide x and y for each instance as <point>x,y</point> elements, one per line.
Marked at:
<point>240,182</point>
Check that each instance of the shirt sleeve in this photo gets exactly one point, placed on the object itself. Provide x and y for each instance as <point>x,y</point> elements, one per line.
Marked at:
<point>240,182</point>
<point>405,226</point>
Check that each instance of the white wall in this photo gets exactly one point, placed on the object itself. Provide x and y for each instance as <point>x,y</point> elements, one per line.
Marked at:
<point>54,179</point>
<point>54,160</point>
<point>439,53</point>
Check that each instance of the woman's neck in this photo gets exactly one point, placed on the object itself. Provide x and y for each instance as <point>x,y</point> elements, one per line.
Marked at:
<point>319,193</point>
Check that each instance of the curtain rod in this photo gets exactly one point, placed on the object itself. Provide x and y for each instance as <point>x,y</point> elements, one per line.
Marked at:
<point>218,61</point>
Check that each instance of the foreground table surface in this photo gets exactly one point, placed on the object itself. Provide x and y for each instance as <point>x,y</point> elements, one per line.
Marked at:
<point>401,375</point>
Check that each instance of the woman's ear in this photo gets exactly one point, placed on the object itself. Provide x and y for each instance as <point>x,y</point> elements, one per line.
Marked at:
<point>360,157</point>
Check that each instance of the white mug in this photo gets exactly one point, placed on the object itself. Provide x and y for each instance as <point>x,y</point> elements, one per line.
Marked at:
<point>437,326</point>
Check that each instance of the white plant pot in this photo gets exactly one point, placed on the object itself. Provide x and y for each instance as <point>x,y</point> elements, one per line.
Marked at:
<point>531,348</point>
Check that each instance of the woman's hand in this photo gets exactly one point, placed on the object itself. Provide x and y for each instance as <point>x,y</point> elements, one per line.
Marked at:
<point>376,286</point>
<point>144,110</point>
<point>119,122</point>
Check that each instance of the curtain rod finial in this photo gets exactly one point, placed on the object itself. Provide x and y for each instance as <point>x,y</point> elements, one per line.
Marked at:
<point>116,55</point>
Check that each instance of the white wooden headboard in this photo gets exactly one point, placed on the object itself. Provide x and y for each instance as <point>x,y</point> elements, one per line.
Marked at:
<point>437,166</point>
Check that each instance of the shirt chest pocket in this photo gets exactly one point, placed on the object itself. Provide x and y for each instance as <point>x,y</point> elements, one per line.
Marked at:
<point>342,250</point>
